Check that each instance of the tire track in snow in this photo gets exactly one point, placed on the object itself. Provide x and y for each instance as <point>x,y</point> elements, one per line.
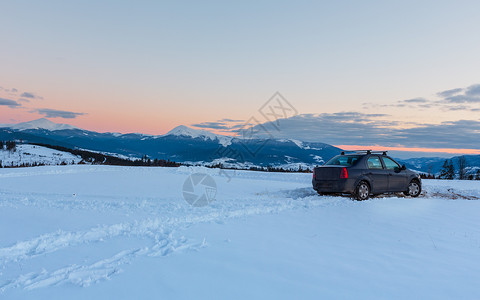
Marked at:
<point>153,228</point>
<point>104,269</point>
<point>159,230</point>
<point>75,274</point>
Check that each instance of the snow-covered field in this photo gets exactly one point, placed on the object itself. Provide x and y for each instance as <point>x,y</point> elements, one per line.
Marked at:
<point>103,232</point>
<point>30,154</point>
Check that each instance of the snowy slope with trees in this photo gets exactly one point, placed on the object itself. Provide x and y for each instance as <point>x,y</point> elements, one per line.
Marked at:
<point>32,155</point>
<point>105,232</point>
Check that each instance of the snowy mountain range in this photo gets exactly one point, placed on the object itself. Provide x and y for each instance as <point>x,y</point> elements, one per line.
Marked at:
<point>181,144</point>
<point>188,145</point>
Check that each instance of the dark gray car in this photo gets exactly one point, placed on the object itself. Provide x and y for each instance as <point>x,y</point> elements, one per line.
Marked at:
<point>365,173</point>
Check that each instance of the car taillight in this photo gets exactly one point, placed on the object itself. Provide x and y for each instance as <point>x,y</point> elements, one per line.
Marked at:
<point>344,173</point>
<point>313,173</point>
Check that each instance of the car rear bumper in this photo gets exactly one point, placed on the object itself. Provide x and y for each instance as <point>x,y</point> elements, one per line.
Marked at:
<point>334,186</point>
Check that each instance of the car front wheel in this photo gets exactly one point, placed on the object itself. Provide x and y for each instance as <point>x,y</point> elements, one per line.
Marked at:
<point>362,191</point>
<point>414,189</point>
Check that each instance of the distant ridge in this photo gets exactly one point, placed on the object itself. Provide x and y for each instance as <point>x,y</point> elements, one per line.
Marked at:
<point>183,130</point>
<point>41,123</point>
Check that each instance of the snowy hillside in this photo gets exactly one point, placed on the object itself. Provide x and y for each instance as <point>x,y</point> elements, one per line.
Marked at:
<point>104,232</point>
<point>185,131</point>
<point>40,124</point>
<point>31,154</point>
<point>433,165</point>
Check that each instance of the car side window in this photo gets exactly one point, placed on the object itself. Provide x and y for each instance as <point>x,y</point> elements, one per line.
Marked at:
<point>374,162</point>
<point>390,164</point>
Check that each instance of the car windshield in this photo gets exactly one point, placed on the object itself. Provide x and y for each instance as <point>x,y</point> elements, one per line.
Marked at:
<point>343,160</point>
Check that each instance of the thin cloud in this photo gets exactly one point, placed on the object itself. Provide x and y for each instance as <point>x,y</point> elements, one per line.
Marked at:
<point>231,120</point>
<point>456,108</point>
<point>361,129</point>
<point>9,103</point>
<point>473,90</point>
<point>54,113</point>
<point>426,106</point>
<point>10,91</point>
<point>462,99</point>
<point>449,93</point>
<point>28,95</point>
<point>212,125</point>
<point>456,134</point>
<point>225,125</point>
<point>415,100</point>
<point>449,100</point>
<point>470,94</point>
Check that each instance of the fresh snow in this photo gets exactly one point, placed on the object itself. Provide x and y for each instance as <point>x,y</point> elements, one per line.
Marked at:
<point>319,159</point>
<point>230,163</point>
<point>131,157</point>
<point>41,124</point>
<point>296,142</point>
<point>299,144</point>
<point>30,154</point>
<point>105,232</point>
<point>183,130</point>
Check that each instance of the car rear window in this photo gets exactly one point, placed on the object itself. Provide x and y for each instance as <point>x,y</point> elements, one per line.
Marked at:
<point>343,160</point>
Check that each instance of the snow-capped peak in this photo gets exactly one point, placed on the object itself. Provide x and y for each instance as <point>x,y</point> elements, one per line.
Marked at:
<point>183,130</point>
<point>41,124</point>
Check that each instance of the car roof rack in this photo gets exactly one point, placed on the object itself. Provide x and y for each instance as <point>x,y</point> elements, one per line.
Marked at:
<point>365,152</point>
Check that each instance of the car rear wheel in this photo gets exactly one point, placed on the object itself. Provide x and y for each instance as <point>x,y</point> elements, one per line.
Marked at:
<point>362,191</point>
<point>414,189</point>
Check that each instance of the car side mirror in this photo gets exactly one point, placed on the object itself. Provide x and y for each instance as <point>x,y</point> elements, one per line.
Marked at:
<point>403,167</point>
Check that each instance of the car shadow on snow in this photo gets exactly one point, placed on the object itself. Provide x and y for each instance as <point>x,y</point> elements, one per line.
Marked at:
<point>450,194</point>
<point>299,193</point>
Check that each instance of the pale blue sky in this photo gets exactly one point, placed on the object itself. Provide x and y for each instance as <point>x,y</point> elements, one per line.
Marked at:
<point>148,66</point>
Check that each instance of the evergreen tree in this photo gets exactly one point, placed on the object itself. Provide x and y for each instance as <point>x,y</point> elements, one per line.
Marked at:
<point>444,170</point>
<point>462,168</point>
<point>451,171</point>
<point>477,177</point>
<point>447,171</point>
<point>11,146</point>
